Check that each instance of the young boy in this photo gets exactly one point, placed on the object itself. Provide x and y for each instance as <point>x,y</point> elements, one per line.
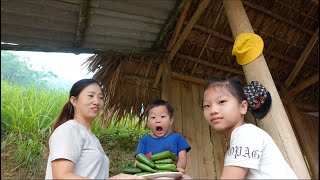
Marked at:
<point>159,120</point>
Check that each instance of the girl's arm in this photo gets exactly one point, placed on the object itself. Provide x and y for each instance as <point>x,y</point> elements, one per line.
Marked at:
<point>63,169</point>
<point>182,161</point>
<point>233,172</point>
<point>126,176</point>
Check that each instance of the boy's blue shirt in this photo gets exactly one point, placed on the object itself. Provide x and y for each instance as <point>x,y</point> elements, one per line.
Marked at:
<point>174,143</point>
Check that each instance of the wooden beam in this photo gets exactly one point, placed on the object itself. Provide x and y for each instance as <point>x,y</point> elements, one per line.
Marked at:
<point>315,1</point>
<point>173,39</point>
<point>201,7</point>
<point>276,16</point>
<point>281,131</point>
<point>168,24</point>
<point>266,51</point>
<point>302,106</point>
<point>210,64</point>
<point>166,80</point>
<point>302,59</point>
<point>309,143</point>
<point>179,25</point>
<point>187,78</point>
<point>302,85</point>
<point>209,36</point>
<point>82,22</point>
<point>136,77</point>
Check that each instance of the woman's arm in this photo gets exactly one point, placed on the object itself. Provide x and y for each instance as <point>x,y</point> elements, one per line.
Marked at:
<point>182,161</point>
<point>63,169</point>
<point>233,172</point>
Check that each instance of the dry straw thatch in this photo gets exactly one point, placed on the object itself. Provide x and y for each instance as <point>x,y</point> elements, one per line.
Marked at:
<point>289,30</point>
<point>126,95</point>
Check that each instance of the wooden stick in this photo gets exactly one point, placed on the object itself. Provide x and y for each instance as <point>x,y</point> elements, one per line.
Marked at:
<point>172,40</point>
<point>201,7</point>
<point>302,85</point>
<point>302,59</point>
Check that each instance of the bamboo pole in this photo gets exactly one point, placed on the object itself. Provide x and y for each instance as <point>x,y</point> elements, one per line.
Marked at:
<point>276,122</point>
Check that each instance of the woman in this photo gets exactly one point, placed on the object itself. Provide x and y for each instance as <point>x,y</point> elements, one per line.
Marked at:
<point>75,152</point>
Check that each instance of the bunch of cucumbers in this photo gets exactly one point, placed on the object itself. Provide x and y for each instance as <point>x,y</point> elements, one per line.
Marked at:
<point>160,162</point>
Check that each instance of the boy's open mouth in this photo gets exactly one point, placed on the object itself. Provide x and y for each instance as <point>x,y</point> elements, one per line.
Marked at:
<point>159,128</point>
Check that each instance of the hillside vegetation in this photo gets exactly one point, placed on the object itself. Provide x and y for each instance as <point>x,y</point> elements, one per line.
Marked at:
<point>27,114</point>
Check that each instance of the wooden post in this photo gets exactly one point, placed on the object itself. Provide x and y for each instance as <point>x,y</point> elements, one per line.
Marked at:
<point>276,122</point>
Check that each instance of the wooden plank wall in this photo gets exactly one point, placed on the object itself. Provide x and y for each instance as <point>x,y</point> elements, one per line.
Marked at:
<point>188,120</point>
<point>306,128</point>
<point>206,158</point>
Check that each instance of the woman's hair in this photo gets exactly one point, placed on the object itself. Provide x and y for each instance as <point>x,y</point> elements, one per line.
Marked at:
<point>234,86</point>
<point>160,102</point>
<point>67,111</point>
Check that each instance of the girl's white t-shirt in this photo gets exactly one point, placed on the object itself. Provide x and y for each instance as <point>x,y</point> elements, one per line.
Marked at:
<point>253,148</point>
<point>74,142</point>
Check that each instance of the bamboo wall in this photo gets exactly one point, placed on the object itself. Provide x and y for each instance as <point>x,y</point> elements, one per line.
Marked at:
<point>205,160</point>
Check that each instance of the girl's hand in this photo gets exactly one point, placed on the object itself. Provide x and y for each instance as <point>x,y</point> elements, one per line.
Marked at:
<point>181,170</point>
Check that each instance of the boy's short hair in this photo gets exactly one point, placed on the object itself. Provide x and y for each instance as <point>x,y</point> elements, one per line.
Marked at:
<point>160,102</point>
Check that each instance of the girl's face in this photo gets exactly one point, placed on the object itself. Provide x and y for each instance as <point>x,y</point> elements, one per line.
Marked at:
<point>159,121</point>
<point>222,110</point>
<point>89,102</point>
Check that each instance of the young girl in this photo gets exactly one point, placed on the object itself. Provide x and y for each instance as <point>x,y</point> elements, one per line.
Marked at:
<point>252,153</point>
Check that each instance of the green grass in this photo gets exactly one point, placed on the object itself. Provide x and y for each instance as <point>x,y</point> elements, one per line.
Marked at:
<point>27,114</point>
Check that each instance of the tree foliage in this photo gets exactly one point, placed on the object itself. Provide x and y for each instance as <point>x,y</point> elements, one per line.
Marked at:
<point>15,69</point>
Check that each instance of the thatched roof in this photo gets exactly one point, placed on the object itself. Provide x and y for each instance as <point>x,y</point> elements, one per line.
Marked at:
<point>196,46</point>
<point>289,30</point>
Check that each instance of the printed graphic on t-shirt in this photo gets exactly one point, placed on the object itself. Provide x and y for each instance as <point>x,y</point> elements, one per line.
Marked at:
<point>245,152</point>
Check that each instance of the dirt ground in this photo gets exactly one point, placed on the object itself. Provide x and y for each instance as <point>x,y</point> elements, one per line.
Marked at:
<point>10,170</point>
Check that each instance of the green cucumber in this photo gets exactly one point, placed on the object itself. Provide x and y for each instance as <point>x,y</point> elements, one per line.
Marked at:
<point>174,170</point>
<point>145,167</point>
<point>144,159</point>
<point>142,173</point>
<point>166,166</point>
<point>174,157</point>
<point>132,170</point>
<point>164,161</point>
<point>161,155</point>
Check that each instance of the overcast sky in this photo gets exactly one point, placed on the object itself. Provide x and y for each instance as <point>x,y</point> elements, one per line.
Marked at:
<point>67,66</point>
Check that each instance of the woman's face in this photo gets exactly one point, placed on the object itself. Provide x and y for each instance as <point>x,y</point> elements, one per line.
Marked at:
<point>222,110</point>
<point>89,102</point>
